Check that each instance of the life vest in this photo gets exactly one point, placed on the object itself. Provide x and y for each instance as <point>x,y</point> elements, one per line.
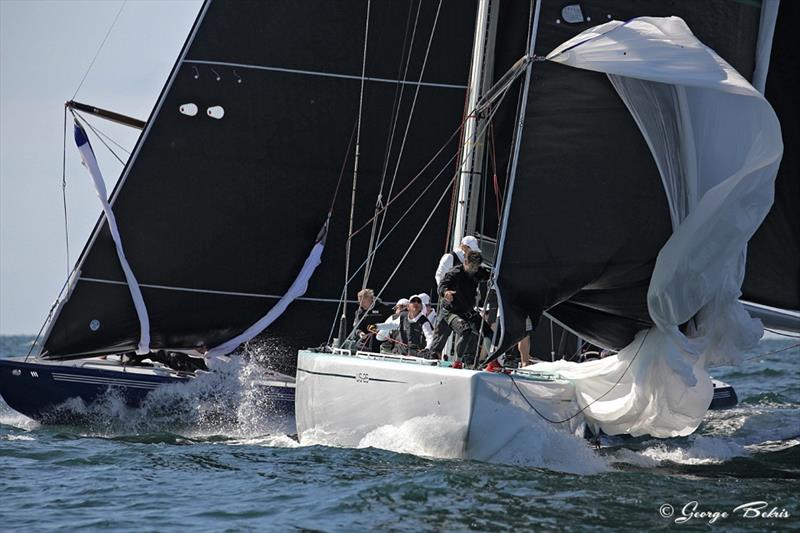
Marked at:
<point>411,333</point>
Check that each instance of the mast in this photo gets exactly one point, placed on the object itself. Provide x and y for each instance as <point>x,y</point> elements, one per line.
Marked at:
<point>473,145</point>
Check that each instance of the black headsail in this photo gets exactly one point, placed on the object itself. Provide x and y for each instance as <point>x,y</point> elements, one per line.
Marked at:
<point>589,213</point>
<point>234,175</point>
<point>773,254</point>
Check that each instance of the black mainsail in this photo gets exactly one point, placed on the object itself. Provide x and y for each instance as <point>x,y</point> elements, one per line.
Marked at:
<point>233,177</point>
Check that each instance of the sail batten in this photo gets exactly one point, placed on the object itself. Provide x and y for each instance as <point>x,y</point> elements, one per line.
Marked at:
<point>328,74</point>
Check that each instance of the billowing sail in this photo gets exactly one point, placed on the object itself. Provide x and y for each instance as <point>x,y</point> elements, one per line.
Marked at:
<point>716,143</point>
<point>236,170</point>
<point>589,213</point>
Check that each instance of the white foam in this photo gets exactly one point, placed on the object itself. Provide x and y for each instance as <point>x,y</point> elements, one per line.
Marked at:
<point>541,445</point>
<point>428,436</point>
<point>700,450</point>
<point>16,437</point>
<point>9,417</point>
<point>229,402</point>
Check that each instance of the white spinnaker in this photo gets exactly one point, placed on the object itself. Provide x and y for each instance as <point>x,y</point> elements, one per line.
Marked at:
<point>90,162</point>
<point>717,144</point>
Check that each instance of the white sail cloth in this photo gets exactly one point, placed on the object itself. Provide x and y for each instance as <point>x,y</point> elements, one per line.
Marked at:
<point>90,162</point>
<point>717,144</point>
<point>297,289</point>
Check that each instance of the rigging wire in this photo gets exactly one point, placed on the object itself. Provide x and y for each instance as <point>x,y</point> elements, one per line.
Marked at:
<point>415,178</point>
<point>348,244</point>
<point>756,356</point>
<point>581,410</point>
<point>64,187</point>
<point>88,125</point>
<point>343,298</point>
<point>446,165</point>
<point>391,230</point>
<point>110,139</point>
<point>399,90</point>
<point>49,315</point>
<point>121,7</point>
<point>411,112</point>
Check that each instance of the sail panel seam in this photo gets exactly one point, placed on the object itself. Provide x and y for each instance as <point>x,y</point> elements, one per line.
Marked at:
<point>208,291</point>
<point>327,74</point>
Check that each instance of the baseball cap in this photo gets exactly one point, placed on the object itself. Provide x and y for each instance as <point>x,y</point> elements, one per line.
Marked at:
<point>471,242</point>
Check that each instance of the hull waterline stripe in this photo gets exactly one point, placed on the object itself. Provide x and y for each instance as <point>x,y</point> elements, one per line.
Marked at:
<point>211,291</point>
<point>325,74</point>
<point>347,376</point>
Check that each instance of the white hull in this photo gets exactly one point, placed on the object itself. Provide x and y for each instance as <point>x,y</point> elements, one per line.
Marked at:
<point>352,401</point>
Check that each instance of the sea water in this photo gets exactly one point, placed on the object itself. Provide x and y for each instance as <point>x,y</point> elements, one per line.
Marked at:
<point>209,457</point>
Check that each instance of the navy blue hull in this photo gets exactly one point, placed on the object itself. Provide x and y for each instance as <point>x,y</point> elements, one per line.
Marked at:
<point>37,390</point>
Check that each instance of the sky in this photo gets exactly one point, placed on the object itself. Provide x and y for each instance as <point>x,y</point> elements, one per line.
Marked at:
<point>46,48</point>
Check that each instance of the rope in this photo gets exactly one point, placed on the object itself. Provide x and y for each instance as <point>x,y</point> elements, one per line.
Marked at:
<point>772,352</point>
<point>395,226</point>
<point>380,292</point>
<point>588,404</point>
<point>112,141</point>
<point>430,215</point>
<point>410,117</point>
<point>348,245</point>
<point>495,181</point>
<point>64,188</point>
<point>390,141</point>
<point>87,124</point>
<point>49,316</point>
<point>99,49</point>
<point>414,179</point>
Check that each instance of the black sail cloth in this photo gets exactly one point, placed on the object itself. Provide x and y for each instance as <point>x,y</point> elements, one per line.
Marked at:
<point>588,213</point>
<point>217,214</point>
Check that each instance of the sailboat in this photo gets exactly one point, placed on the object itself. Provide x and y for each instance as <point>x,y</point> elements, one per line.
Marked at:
<point>642,165</point>
<point>238,182</point>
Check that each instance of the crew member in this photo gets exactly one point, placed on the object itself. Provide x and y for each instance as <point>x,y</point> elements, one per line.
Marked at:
<point>459,289</point>
<point>370,311</point>
<point>456,257</point>
<point>415,331</point>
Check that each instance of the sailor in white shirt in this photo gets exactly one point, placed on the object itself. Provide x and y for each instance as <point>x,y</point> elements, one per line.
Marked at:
<point>415,330</point>
<point>456,257</point>
<point>427,310</point>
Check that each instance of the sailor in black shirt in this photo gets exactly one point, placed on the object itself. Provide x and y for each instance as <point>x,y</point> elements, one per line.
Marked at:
<point>458,290</point>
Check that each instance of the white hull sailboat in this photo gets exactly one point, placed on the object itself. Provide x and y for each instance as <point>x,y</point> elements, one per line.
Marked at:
<point>345,398</point>
<point>719,184</point>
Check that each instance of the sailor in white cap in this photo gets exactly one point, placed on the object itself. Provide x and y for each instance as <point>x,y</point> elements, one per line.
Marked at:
<point>415,332</point>
<point>399,307</point>
<point>456,257</point>
<point>427,310</point>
